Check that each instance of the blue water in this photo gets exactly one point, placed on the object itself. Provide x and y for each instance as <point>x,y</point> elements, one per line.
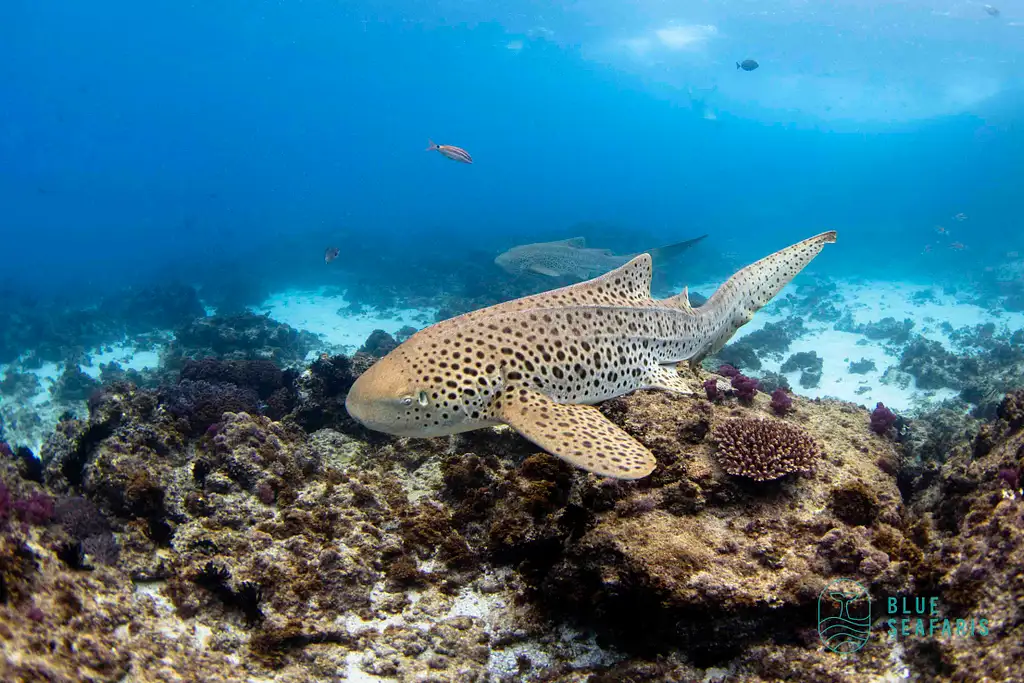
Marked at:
<point>144,142</point>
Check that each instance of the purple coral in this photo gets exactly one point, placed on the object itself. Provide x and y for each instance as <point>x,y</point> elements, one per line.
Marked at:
<point>5,502</point>
<point>1011,476</point>
<point>781,402</point>
<point>882,419</point>
<point>711,389</point>
<point>746,387</point>
<point>202,403</point>
<point>726,370</point>
<point>37,509</point>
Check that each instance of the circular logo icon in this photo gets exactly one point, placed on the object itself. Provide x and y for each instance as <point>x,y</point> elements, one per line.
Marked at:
<point>844,616</point>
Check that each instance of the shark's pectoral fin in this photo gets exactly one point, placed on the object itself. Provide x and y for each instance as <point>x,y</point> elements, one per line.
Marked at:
<point>578,434</point>
<point>541,270</point>
<point>666,377</point>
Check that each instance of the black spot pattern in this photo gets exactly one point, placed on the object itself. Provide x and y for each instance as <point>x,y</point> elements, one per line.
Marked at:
<point>517,361</point>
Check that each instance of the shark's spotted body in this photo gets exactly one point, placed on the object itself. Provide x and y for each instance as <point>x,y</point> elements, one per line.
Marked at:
<point>538,363</point>
<point>572,257</point>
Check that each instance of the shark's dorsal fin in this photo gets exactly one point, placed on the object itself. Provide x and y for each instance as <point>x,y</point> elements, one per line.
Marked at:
<point>578,242</point>
<point>627,285</point>
<point>680,300</point>
<point>630,282</point>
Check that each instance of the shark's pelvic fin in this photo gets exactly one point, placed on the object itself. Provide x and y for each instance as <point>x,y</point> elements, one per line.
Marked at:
<point>579,434</point>
<point>666,377</point>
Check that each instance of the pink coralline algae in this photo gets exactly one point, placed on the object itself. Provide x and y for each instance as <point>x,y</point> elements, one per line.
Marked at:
<point>882,419</point>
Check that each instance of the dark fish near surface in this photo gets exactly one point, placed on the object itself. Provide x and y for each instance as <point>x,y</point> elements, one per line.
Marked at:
<point>747,65</point>
<point>331,254</point>
<point>992,11</point>
<point>451,151</point>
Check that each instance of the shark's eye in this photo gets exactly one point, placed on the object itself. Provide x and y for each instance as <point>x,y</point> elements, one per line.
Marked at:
<point>407,401</point>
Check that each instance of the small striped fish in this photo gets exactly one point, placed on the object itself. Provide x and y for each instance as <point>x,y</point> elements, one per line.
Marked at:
<point>451,151</point>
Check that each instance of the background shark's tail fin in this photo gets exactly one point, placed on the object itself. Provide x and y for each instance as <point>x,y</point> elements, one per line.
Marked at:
<point>662,255</point>
<point>736,301</point>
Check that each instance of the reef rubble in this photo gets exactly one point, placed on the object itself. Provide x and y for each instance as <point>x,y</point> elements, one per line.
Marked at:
<point>212,533</point>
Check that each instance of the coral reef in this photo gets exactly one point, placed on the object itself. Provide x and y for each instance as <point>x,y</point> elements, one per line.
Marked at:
<point>882,419</point>
<point>379,344</point>
<point>764,449</point>
<point>240,337</point>
<point>862,366</point>
<point>781,402</point>
<point>888,329</point>
<point>145,309</point>
<point>810,366</point>
<point>970,529</point>
<point>181,533</point>
<point>774,339</point>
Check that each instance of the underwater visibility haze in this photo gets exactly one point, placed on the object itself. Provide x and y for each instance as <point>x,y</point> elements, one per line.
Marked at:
<point>344,340</point>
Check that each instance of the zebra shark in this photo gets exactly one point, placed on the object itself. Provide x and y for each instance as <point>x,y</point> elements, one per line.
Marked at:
<point>540,363</point>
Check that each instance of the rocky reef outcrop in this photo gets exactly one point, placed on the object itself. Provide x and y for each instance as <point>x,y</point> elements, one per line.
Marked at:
<point>192,533</point>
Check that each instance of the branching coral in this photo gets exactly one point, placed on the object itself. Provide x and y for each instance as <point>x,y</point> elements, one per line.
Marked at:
<point>764,449</point>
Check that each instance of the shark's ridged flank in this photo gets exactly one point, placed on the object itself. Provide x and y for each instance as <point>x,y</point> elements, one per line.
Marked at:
<point>538,363</point>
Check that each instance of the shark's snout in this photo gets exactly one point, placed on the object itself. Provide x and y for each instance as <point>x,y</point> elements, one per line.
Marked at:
<point>379,398</point>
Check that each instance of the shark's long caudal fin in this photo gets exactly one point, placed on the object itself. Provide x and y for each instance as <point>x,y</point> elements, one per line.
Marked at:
<point>662,255</point>
<point>742,295</point>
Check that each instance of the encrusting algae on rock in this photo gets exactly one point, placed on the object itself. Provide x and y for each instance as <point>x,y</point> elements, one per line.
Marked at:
<point>251,552</point>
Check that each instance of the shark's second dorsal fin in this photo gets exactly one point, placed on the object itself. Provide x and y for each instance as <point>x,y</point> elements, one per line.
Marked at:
<point>680,301</point>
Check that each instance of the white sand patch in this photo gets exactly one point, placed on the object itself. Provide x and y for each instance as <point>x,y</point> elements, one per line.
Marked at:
<point>28,420</point>
<point>872,301</point>
<point>317,311</point>
<point>123,355</point>
<point>869,302</point>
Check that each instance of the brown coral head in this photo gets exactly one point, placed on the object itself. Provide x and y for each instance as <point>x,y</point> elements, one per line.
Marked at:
<point>764,449</point>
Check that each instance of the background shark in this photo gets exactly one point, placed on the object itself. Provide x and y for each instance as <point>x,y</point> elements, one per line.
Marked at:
<point>572,257</point>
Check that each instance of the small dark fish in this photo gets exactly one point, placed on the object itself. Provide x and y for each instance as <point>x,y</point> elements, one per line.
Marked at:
<point>331,254</point>
<point>747,65</point>
<point>992,11</point>
<point>451,151</point>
